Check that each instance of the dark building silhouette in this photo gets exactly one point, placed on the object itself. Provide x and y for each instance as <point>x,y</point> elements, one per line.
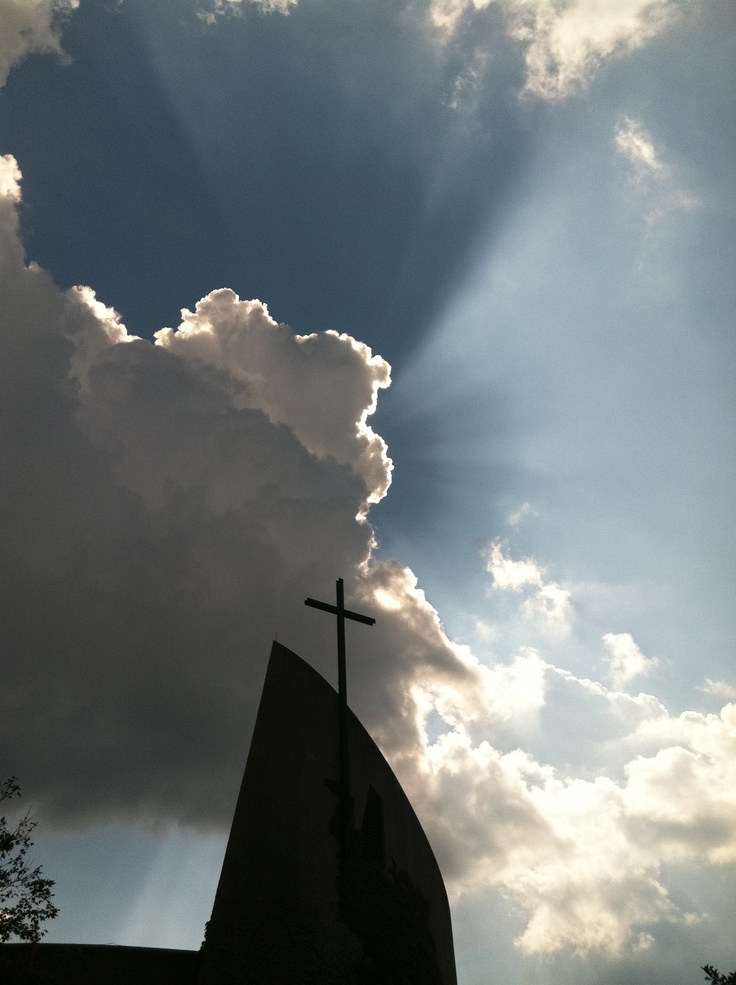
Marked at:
<point>293,907</point>
<point>95,964</point>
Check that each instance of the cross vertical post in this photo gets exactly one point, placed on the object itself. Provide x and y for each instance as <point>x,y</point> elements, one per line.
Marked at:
<point>342,688</point>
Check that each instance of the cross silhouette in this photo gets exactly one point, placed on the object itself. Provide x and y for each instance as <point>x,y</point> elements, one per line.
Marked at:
<point>342,614</point>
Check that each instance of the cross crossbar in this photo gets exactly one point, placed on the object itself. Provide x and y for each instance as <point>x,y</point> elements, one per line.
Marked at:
<point>347,613</point>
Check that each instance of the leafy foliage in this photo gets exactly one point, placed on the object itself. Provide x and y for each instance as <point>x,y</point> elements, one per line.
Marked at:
<point>25,896</point>
<point>713,975</point>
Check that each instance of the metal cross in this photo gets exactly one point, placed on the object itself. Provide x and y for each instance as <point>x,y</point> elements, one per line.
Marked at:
<point>342,614</point>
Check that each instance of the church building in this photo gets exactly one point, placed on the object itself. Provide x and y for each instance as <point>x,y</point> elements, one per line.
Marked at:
<point>322,882</point>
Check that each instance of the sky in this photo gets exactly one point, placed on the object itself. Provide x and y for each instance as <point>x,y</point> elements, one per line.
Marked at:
<point>436,296</point>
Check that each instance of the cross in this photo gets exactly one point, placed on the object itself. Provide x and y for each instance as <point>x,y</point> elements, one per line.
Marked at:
<point>342,614</point>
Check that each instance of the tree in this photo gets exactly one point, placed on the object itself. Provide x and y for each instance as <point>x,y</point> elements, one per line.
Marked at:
<point>712,975</point>
<point>25,896</point>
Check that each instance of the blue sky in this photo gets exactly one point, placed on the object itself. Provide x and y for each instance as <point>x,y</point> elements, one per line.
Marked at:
<point>488,380</point>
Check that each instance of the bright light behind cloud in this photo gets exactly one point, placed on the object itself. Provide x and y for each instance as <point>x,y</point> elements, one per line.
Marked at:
<point>208,425</point>
<point>278,371</point>
<point>583,857</point>
<point>173,503</point>
<point>9,179</point>
<point>91,346</point>
<point>222,467</point>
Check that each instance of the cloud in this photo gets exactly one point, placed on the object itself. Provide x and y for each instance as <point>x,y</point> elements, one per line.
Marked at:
<point>445,14</point>
<point>485,630</point>
<point>30,26</point>
<point>10,191</point>
<point>566,41</point>
<point>635,144</point>
<point>281,373</point>
<point>651,175</point>
<point>514,575</point>
<point>225,8</point>
<point>550,605</point>
<point>583,857</point>
<point>719,689</point>
<point>626,659</point>
<point>170,507</point>
<point>580,852</point>
<point>518,517</point>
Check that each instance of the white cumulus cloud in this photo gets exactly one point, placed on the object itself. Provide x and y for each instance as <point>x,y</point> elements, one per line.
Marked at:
<point>583,857</point>
<point>719,689</point>
<point>550,604</point>
<point>626,659</point>
<point>507,573</point>
<point>311,383</point>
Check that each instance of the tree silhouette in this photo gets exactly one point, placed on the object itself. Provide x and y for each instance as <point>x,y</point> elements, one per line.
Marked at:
<point>713,975</point>
<point>25,896</point>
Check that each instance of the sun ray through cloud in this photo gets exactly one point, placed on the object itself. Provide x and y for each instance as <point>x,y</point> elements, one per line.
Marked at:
<point>436,298</point>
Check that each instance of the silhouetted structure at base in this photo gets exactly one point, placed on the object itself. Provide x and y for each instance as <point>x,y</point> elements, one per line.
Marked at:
<point>292,907</point>
<point>289,906</point>
<point>96,964</point>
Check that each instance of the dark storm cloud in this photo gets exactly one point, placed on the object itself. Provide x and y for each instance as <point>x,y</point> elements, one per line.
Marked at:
<point>168,507</point>
<point>131,581</point>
